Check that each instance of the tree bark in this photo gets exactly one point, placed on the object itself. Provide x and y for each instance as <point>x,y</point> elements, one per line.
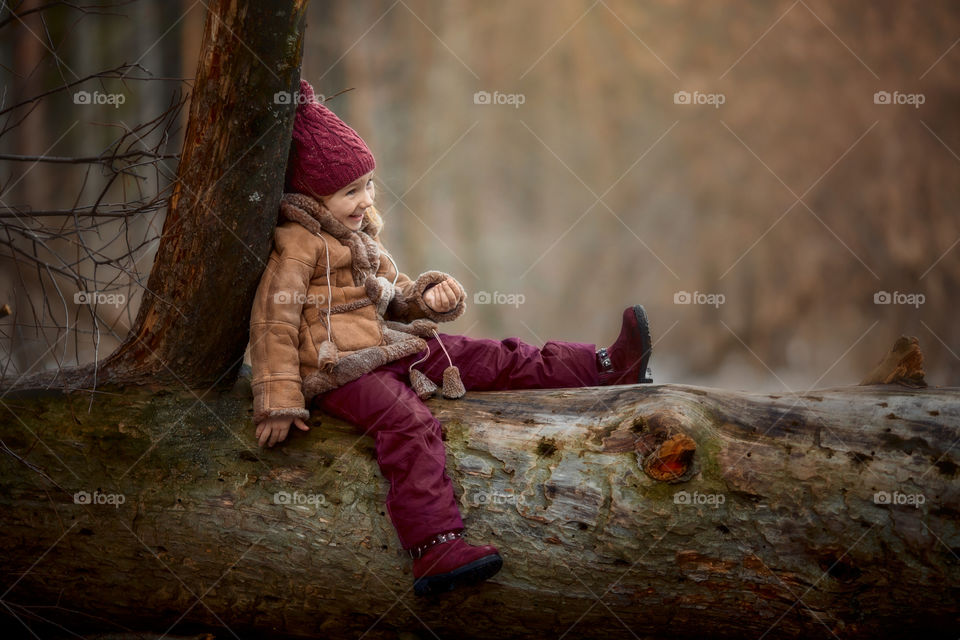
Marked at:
<point>192,324</point>
<point>218,231</point>
<point>834,513</point>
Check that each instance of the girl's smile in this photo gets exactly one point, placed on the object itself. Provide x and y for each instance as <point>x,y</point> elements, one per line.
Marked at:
<point>349,203</point>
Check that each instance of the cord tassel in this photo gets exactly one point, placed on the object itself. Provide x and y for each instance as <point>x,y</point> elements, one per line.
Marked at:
<point>452,384</point>
<point>327,356</point>
<point>423,386</point>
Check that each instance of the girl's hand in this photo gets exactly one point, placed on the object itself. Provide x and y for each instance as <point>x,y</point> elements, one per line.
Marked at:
<point>275,430</point>
<point>442,297</point>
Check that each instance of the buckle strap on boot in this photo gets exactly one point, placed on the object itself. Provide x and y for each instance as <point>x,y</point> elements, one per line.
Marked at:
<point>418,551</point>
<point>606,365</point>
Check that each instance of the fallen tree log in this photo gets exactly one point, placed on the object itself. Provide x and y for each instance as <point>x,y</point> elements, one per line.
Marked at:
<point>834,512</point>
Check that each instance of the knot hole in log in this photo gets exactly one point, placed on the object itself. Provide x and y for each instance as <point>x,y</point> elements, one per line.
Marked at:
<point>664,451</point>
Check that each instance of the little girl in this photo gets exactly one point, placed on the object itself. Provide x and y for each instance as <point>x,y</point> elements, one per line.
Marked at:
<point>337,326</point>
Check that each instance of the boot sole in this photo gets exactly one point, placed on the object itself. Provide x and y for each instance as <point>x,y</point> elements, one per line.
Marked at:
<point>644,326</point>
<point>476,571</point>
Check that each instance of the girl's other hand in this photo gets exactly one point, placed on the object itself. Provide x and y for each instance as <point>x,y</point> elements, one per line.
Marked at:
<point>442,297</point>
<point>274,430</point>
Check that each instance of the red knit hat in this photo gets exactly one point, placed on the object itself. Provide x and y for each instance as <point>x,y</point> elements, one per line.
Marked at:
<point>325,155</point>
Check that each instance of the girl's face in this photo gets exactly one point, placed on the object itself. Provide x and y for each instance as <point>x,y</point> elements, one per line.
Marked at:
<point>349,204</point>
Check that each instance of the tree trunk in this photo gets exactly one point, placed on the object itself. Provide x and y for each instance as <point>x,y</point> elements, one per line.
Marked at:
<point>219,228</point>
<point>777,516</point>
<point>192,325</point>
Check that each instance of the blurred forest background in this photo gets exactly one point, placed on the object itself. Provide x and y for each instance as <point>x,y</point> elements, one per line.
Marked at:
<point>581,188</point>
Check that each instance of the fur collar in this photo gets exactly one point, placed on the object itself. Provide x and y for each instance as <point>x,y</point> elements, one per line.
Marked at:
<point>315,216</point>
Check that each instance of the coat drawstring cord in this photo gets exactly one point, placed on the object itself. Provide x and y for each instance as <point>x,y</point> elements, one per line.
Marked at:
<point>425,387</point>
<point>452,384</point>
<point>421,384</point>
<point>327,355</point>
<point>396,271</point>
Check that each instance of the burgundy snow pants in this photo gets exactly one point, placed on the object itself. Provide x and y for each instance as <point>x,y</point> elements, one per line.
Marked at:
<point>409,448</point>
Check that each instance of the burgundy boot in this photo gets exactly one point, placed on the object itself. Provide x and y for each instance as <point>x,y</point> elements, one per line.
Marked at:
<point>445,562</point>
<point>627,359</point>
